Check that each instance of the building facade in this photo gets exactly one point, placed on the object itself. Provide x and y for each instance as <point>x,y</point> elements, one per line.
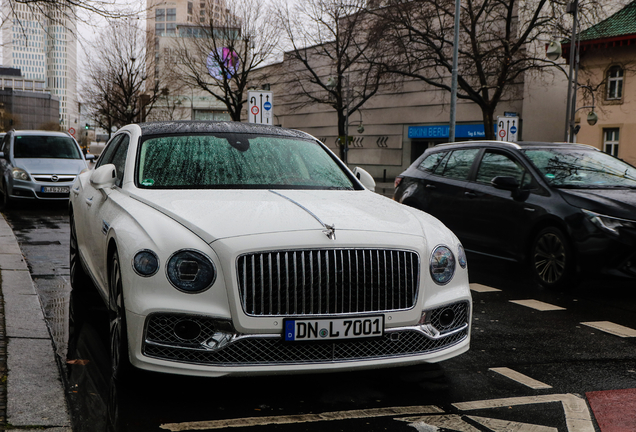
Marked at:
<point>25,103</point>
<point>607,82</point>
<point>41,42</point>
<point>166,22</point>
<point>400,123</point>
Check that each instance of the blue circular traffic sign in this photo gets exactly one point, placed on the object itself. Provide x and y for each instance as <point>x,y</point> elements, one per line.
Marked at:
<point>513,130</point>
<point>267,106</point>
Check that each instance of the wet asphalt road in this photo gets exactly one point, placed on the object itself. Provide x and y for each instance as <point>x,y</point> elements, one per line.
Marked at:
<point>553,347</point>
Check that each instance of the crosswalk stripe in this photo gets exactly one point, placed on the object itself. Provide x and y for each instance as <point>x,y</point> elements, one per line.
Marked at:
<point>611,328</point>
<point>302,418</point>
<point>482,288</point>
<point>538,305</point>
<point>520,378</point>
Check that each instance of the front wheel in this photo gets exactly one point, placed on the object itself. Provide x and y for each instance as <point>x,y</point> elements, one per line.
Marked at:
<point>4,201</point>
<point>119,361</point>
<point>78,277</point>
<point>552,259</point>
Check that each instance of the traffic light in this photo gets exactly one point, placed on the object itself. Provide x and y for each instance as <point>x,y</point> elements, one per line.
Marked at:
<point>87,127</point>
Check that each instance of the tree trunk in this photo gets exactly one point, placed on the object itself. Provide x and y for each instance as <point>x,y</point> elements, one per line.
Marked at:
<point>488,114</point>
<point>341,132</point>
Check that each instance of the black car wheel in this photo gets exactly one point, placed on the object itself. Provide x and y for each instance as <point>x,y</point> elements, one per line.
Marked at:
<point>120,365</point>
<point>4,202</point>
<point>552,259</point>
<point>79,278</point>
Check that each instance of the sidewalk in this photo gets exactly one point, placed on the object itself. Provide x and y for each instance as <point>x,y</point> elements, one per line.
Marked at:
<point>35,397</point>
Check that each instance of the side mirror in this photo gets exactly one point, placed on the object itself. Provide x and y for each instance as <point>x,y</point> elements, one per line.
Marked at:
<point>505,183</point>
<point>365,178</point>
<point>104,177</point>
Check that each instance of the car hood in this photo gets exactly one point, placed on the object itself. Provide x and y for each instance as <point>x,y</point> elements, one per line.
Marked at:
<point>51,166</point>
<point>620,203</point>
<point>214,214</point>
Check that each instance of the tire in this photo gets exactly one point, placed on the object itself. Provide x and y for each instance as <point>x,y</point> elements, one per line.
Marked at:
<point>79,279</point>
<point>552,260</point>
<point>5,201</point>
<point>119,360</point>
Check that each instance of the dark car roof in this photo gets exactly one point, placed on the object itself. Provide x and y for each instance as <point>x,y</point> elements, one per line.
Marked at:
<point>517,145</point>
<point>185,126</point>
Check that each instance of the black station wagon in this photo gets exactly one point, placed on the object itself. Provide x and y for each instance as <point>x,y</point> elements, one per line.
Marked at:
<point>565,209</point>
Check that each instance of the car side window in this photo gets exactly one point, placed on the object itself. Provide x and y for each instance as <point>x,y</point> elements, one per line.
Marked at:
<point>429,163</point>
<point>119,159</point>
<point>457,164</point>
<point>495,164</point>
<point>107,155</point>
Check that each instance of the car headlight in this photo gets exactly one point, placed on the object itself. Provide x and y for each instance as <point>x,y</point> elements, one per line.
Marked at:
<point>19,174</point>
<point>442,265</point>
<point>145,263</point>
<point>461,256</point>
<point>191,271</point>
<point>608,223</point>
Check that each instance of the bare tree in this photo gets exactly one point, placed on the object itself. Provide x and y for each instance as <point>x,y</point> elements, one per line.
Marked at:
<point>219,56</point>
<point>333,58</point>
<point>500,41</point>
<point>117,90</point>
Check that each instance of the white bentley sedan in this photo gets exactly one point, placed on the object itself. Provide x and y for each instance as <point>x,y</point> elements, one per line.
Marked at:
<point>225,248</point>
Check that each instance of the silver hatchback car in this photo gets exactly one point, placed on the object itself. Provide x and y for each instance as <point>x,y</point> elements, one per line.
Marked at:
<point>39,165</point>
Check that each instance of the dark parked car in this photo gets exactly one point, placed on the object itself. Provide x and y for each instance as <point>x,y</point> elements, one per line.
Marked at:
<point>565,209</point>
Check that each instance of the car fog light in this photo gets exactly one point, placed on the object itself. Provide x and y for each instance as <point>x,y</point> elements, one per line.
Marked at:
<point>442,265</point>
<point>447,317</point>
<point>190,271</point>
<point>187,330</point>
<point>145,263</point>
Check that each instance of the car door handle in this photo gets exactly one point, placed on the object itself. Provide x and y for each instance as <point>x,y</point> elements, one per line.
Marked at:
<point>470,194</point>
<point>431,186</point>
<point>89,201</point>
<point>76,191</point>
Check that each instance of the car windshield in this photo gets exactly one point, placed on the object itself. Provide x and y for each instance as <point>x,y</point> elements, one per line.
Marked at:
<point>237,161</point>
<point>580,168</point>
<point>45,147</point>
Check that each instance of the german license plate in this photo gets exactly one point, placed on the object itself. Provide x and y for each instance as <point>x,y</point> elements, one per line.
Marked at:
<point>297,330</point>
<point>55,189</point>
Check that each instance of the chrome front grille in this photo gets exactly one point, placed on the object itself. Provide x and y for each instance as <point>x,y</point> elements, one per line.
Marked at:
<point>161,342</point>
<point>327,281</point>
<point>49,178</point>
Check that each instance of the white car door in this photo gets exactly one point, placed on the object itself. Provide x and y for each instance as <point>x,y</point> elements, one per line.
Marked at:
<point>99,211</point>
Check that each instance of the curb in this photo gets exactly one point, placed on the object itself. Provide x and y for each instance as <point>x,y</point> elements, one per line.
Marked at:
<point>35,397</point>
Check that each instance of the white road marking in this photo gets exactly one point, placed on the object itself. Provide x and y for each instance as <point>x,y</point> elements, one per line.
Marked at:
<point>577,415</point>
<point>610,327</point>
<point>520,378</point>
<point>432,423</point>
<point>482,288</point>
<point>538,305</point>
<point>497,425</point>
<point>303,418</point>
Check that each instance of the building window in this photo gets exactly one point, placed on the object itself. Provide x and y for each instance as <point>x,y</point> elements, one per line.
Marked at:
<point>171,14</point>
<point>190,8</point>
<point>160,28</point>
<point>160,15</point>
<point>610,141</point>
<point>171,29</point>
<point>615,83</point>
